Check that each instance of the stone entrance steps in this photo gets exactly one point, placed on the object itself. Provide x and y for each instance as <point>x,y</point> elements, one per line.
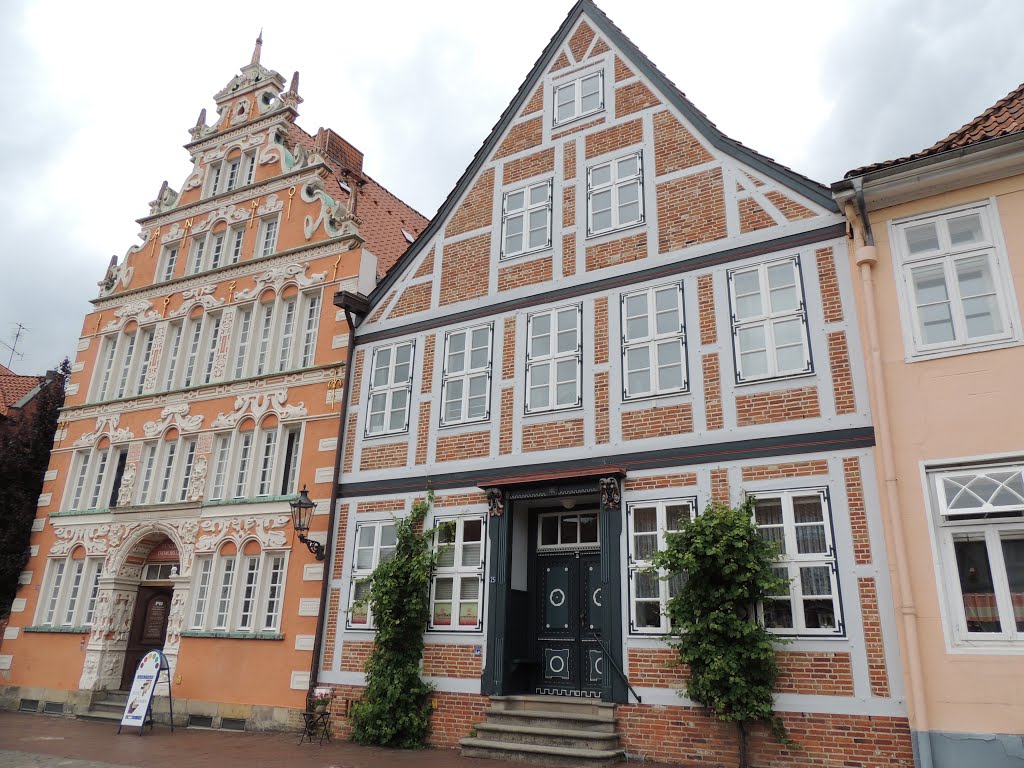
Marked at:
<point>547,730</point>
<point>107,706</point>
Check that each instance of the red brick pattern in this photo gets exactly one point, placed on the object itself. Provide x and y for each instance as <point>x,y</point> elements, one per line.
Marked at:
<point>423,433</point>
<point>706,308</point>
<point>815,673</point>
<point>656,668</point>
<point>752,216</point>
<point>653,482</point>
<point>619,251</point>
<point>569,160</point>
<point>602,430</point>
<point>462,265</point>
<point>521,137</point>
<point>357,377</point>
<point>660,421</point>
<point>460,499</point>
<point>873,642</point>
<point>791,209</point>
<point>331,626</point>
<point>842,374</point>
<point>856,510</point>
<point>429,344</point>
<point>578,128</point>
<point>785,469</point>
<point>529,166</point>
<point>831,301</point>
<point>525,273</point>
<point>350,442</point>
<point>380,505</point>
<point>779,405</point>
<point>569,254</point>
<point>713,416</point>
<point>601,330</point>
<point>427,265</point>
<point>378,313</point>
<point>622,72</point>
<point>476,209</point>
<point>599,47</point>
<point>634,98</point>
<point>691,210</point>
<point>385,456</point>
<point>560,63</point>
<point>468,445</point>
<point>355,654</point>
<point>580,41</point>
<point>569,205</point>
<point>675,147</point>
<point>508,360</point>
<point>415,298</point>
<point>454,717</point>
<point>451,661</point>
<point>553,435</point>
<point>536,102</point>
<point>616,137</point>
<point>505,422</point>
<point>720,485</point>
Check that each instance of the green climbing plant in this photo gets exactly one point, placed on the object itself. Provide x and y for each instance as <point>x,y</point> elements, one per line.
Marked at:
<point>727,567</point>
<point>394,710</point>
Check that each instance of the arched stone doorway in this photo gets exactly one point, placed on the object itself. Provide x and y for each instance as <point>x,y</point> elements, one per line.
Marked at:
<point>148,630</point>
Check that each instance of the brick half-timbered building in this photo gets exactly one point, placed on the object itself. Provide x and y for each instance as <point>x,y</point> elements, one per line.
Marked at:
<point>618,315</point>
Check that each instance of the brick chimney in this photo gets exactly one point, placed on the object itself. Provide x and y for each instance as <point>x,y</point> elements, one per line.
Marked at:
<point>332,146</point>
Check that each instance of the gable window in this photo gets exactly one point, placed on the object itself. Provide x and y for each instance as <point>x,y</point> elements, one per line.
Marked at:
<point>69,592</point>
<point>390,389</point>
<point>649,591</point>
<point>457,584</point>
<point>615,196</point>
<point>526,220</point>
<point>653,342</point>
<point>375,543</point>
<point>237,240</point>
<point>466,379</point>
<point>579,97</point>
<point>769,320</point>
<point>554,358</point>
<point>195,261</point>
<point>168,261</point>
<point>268,237</point>
<point>240,592</point>
<point>956,289</point>
<point>980,523</point>
<point>799,523</point>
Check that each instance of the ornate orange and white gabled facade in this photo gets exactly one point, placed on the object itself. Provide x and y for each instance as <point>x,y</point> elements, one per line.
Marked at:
<point>204,395</point>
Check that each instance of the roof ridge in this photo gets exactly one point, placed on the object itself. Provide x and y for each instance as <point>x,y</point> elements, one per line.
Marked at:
<point>966,127</point>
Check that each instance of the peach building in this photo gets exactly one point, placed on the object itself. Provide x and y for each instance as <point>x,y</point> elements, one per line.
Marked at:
<point>939,248</point>
<point>205,394</point>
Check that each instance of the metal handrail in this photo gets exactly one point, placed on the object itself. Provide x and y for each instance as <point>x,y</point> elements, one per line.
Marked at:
<point>608,655</point>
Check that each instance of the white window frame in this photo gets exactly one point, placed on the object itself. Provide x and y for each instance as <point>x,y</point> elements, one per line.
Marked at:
<point>242,470</point>
<point>360,574</point>
<point>552,359</point>
<point>168,263</point>
<point>264,593</point>
<point>266,342</point>
<point>525,213</point>
<point>466,375</point>
<point>266,244</point>
<point>768,319</point>
<point>389,389</point>
<point>458,571</point>
<point>576,85</point>
<point>615,186</point>
<point>653,341</point>
<point>94,472</point>
<point>69,592</point>
<point>636,564</point>
<point>165,468</point>
<point>992,247</point>
<point>122,363</point>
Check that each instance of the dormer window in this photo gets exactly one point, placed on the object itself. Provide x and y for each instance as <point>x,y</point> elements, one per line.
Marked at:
<point>579,97</point>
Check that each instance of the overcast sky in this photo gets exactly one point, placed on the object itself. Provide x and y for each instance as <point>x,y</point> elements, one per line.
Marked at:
<point>99,96</point>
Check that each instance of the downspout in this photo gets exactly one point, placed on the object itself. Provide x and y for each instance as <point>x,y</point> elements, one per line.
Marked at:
<point>866,257</point>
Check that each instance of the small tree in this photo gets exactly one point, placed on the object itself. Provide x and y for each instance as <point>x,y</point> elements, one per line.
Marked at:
<point>394,710</point>
<point>727,568</point>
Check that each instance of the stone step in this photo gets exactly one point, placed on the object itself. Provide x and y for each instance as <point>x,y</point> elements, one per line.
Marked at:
<point>97,715</point>
<point>582,706</point>
<point>548,737</point>
<point>563,757</point>
<point>112,697</point>
<point>560,720</point>
<point>107,706</point>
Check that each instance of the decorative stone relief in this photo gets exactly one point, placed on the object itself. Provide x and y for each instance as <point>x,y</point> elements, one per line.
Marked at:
<point>124,495</point>
<point>276,277</point>
<point>174,232</point>
<point>197,482</point>
<point>116,275</point>
<point>113,618</point>
<point>228,213</point>
<point>166,199</point>
<point>269,531</point>
<point>333,215</point>
<point>220,360</point>
<point>140,311</point>
<point>173,416</point>
<point>258,404</point>
<point>273,204</point>
<point>149,383</point>
<point>176,619</point>
<point>202,296</point>
<point>105,425</point>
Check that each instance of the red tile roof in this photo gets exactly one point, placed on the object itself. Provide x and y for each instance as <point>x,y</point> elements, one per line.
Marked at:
<point>14,387</point>
<point>1004,117</point>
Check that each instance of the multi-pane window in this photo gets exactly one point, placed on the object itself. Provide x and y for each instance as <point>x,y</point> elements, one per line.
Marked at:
<point>122,364</point>
<point>648,523</point>
<point>236,239</point>
<point>227,175</point>
<point>255,463</point>
<point>567,530</point>
<point>210,251</point>
<point>799,523</point>
<point>238,592</point>
<point>390,389</point>
<point>95,480</point>
<point>957,290</point>
<point>457,587</point>
<point>168,261</point>
<point>615,195</point>
<point>375,543</point>
<point>554,359</point>
<point>193,343</point>
<point>579,97</point>
<point>69,592</point>
<point>466,381</point>
<point>653,342</point>
<point>980,525</point>
<point>526,219</point>
<point>279,335</point>
<point>769,320</point>
<point>166,470</point>
<point>268,238</point>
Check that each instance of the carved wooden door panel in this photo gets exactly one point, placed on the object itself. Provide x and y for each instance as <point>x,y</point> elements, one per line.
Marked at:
<point>149,629</point>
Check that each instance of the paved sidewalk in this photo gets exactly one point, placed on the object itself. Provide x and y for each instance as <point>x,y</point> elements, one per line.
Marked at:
<point>44,741</point>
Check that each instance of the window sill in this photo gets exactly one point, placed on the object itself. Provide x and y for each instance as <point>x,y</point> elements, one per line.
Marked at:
<point>81,512</point>
<point>965,349</point>
<point>247,500</point>
<point>773,380</point>
<point>451,631</point>
<point>554,411</point>
<point>544,251</point>
<point>628,399</point>
<point>59,630</point>
<point>235,635</point>
<point>561,125</point>
<point>468,423</point>
<point>380,435</point>
<point>609,233</point>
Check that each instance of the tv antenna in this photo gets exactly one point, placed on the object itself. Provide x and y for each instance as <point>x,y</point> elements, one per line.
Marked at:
<point>20,329</point>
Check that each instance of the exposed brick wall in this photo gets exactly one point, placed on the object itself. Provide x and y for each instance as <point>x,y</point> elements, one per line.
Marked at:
<point>384,456</point>
<point>791,209</point>
<point>522,136</point>
<point>785,469</point>
<point>578,128</point>
<point>553,435</point>
<point>842,375</point>
<point>357,377</point>
<point>415,298</point>
<point>331,626</point>
<point>602,431</point>
<point>469,445</point>
<point>675,147</point>
<point>619,251</point>
<point>340,540</point>
<point>529,166</point>
<point>505,422</point>
<point>508,360</point>
<point>429,345</point>
<point>476,209</point>
<point>706,308</point>
<point>569,160</point>
<point>815,673</point>
<point>616,137</point>
<point>660,421</point>
<point>569,205</point>
<point>450,661</point>
<point>656,668</point>
<point>460,499</point>
<point>536,102</point>
<point>525,273</point>
<point>653,482</point>
<point>856,510</point>
<point>691,210</point>
<point>873,642</point>
<point>423,433</point>
<point>454,717</point>
<point>779,405</point>
<point>380,505</point>
<point>462,264</point>
<point>378,313</point>
<point>752,216</point>
<point>633,98</point>
<point>599,47</point>
<point>831,301</point>
<point>350,442</point>
<point>720,485</point>
<point>601,330</point>
<point>713,415</point>
<point>622,72</point>
<point>580,40</point>
<point>569,254</point>
<point>427,265</point>
<point>560,63</point>
<point>355,654</point>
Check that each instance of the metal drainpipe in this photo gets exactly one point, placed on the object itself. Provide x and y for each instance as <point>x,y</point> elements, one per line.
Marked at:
<point>332,518</point>
<point>867,257</point>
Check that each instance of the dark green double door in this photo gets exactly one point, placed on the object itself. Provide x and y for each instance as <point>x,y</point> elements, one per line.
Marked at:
<point>568,604</point>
